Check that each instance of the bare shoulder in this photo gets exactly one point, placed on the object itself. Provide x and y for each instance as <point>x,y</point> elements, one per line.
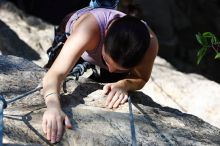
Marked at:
<point>86,22</point>
<point>87,27</point>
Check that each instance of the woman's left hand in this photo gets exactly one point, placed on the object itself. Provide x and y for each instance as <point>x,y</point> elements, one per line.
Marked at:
<point>115,95</point>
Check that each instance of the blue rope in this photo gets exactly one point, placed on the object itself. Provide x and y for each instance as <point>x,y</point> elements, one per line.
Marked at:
<point>3,101</point>
<point>77,71</point>
<point>133,135</point>
<point>38,88</point>
<point>1,119</point>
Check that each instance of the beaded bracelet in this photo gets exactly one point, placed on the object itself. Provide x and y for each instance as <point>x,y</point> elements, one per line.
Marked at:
<point>51,94</point>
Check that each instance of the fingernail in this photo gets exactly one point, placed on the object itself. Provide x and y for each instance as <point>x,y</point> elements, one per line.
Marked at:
<point>53,140</point>
<point>57,139</point>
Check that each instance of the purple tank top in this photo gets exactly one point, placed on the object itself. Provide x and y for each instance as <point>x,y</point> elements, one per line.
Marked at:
<point>103,17</point>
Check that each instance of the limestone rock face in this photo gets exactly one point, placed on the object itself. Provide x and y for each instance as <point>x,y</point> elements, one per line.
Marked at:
<point>93,123</point>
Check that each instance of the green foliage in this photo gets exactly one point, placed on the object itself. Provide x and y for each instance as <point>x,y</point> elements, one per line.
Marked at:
<point>208,41</point>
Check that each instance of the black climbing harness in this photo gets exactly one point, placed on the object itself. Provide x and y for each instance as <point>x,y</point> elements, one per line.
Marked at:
<point>79,69</point>
<point>56,47</point>
<point>61,36</point>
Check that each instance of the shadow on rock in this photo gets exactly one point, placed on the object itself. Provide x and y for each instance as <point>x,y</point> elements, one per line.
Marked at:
<point>154,115</point>
<point>81,91</point>
<point>26,118</point>
<point>141,98</point>
<point>76,97</point>
<point>11,44</point>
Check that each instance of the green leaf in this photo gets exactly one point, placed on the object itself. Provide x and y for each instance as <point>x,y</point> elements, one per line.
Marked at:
<point>204,41</point>
<point>198,38</point>
<point>208,34</point>
<point>214,40</point>
<point>207,40</point>
<point>210,37</point>
<point>217,56</point>
<point>201,54</point>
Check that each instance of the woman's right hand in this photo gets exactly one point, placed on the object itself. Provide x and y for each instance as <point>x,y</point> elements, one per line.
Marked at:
<point>54,120</point>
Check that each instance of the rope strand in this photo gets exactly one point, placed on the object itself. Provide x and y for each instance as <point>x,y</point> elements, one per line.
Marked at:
<point>133,134</point>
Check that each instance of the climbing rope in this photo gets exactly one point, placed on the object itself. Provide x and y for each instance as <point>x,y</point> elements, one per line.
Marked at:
<point>38,88</point>
<point>77,71</point>
<point>2,105</point>
<point>133,135</point>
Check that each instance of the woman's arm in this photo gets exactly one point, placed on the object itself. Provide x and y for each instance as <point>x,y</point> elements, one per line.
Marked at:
<point>138,77</point>
<point>85,36</point>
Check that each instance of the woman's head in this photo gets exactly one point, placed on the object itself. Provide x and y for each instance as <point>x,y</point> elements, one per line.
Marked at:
<point>126,41</point>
